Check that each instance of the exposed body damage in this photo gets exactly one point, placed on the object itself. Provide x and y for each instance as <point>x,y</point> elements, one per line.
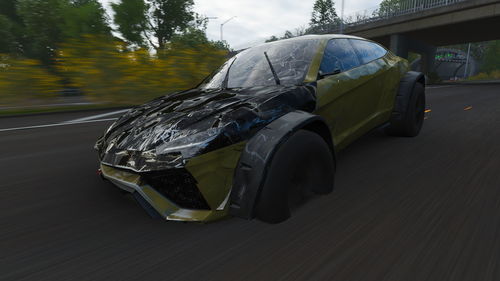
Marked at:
<point>202,154</point>
<point>193,136</point>
<point>165,133</point>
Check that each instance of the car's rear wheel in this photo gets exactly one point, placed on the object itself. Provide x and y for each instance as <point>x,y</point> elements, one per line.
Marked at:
<point>302,165</point>
<point>409,123</point>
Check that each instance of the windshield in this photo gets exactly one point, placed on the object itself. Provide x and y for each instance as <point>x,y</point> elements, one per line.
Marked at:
<point>289,58</point>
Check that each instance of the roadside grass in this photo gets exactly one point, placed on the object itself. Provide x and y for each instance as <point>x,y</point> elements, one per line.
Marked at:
<point>492,75</point>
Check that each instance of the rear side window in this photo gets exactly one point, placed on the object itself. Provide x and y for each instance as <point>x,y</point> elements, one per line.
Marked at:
<point>368,51</point>
<point>339,55</point>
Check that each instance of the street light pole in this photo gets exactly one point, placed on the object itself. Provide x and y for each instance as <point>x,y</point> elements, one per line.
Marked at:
<point>467,63</point>
<point>222,28</point>
<point>342,18</point>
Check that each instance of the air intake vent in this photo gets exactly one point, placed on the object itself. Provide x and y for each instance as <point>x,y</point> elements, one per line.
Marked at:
<point>179,186</point>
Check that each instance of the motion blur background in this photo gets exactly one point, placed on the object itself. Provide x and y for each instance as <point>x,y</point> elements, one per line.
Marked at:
<point>425,208</point>
<point>74,54</point>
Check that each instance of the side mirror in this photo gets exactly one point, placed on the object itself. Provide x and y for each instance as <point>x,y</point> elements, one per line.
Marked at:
<point>322,74</point>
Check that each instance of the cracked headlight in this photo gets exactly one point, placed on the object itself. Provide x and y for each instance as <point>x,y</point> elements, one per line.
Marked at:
<point>189,145</point>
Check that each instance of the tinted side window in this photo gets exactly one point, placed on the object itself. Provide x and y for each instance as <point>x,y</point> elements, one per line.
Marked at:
<point>339,55</point>
<point>368,51</point>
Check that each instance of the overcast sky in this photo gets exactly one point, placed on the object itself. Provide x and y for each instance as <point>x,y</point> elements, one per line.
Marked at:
<point>257,20</point>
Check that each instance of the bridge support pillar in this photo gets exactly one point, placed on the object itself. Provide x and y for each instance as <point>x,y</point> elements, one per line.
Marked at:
<point>401,45</point>
<point>428,58</point>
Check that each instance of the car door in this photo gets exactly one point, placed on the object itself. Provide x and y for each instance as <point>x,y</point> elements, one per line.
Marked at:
<point>344,94</point>
<point>376,69</point>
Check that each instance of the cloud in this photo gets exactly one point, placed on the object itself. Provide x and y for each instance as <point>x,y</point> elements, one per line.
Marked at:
<point>256,19</point>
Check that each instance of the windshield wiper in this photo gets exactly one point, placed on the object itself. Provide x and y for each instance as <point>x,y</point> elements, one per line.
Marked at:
<point>226,78</point>
<point>276,78</point>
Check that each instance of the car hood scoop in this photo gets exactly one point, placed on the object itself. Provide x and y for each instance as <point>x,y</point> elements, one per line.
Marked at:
<point>182,125</point>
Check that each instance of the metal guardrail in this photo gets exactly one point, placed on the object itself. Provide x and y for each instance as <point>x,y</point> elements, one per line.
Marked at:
<point>401,8</point>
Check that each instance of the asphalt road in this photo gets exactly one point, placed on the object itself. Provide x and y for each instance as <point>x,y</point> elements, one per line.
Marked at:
<point>404,209</point>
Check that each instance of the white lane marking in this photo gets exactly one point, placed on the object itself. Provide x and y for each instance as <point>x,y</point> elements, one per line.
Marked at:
<point>48,105</point>
<point>97,116</point>
<point>439,87</point>
<point>56,125</point>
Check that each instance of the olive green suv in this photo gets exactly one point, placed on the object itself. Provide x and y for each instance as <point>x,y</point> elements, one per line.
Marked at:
<point>261,133</point>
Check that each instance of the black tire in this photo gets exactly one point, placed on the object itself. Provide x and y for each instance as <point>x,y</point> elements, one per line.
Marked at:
<point>409,123</point>
<point>302,165</point>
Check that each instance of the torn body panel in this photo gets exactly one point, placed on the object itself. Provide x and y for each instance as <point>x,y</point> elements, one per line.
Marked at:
<point>166,132</point>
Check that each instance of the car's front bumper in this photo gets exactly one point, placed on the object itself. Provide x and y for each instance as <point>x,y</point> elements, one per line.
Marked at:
<point>213,173</point>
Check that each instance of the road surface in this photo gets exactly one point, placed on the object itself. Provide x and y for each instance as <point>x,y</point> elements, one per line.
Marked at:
<point>404,209</point>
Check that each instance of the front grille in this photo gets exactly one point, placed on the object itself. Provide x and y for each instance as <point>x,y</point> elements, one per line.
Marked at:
<point>179,186</point>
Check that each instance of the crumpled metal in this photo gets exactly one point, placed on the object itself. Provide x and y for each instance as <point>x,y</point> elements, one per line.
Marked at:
<point>168,131</point>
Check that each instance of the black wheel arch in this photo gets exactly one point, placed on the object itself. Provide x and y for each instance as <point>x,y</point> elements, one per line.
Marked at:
<point>403,95</point>
<point>252,167</point>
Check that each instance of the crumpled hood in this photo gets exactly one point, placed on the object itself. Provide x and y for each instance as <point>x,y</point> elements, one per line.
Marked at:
<point>167,131</point>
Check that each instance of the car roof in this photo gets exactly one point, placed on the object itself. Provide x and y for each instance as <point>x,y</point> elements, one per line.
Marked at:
<point>324,37</point>
<point>327,36</point>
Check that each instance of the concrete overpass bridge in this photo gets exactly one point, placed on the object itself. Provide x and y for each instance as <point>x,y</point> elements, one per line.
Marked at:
<point>422,25</point>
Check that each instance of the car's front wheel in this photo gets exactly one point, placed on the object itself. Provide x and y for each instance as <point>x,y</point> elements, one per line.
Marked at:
<point>409,122</point>
<point>302,165</point>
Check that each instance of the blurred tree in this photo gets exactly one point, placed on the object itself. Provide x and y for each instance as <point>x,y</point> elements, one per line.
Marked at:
<point>288,35</point>
<point>272,39</point>
<point>85,17</point>
<point>324,13</point>
<point>169,16</point>
<point>49,22</point>
<point>190,37</point>
<point>221,45</point>
<point>388,7</point>
<point>11,29</point>
<point>195,35</point>
<point>8,9</point>
<point>42,21</point>
<point>7,37</point>
<point>132,20</point>
<point>492,57</point>
<point>154,21</point>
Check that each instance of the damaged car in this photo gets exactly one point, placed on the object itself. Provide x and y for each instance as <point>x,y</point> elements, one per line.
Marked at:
<point>260,135</point>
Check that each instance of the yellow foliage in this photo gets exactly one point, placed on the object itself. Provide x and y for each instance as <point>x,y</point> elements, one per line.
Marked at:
<point>25,82</point>
<point>107,72</point>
